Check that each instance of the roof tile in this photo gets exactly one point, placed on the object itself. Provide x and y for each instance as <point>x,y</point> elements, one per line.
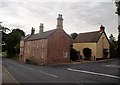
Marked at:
<point>43,35</point>
<point>88,37</point>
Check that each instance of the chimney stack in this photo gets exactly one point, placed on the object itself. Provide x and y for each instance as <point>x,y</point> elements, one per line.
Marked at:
<point>102,28</point>
<point>32,30</point>
<point>59,21</point>
<point>41,28</point>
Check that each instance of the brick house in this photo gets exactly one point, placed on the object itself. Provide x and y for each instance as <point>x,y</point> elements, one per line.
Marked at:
<point>97,41</point>
<point>47,47</point>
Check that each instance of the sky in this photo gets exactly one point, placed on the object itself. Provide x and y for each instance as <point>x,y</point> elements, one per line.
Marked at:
<point>79,15</point>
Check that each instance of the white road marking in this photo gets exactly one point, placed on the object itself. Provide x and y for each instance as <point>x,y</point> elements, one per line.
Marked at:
<point>100,74</point>
<point>48,74</point>
<point>112,66</point>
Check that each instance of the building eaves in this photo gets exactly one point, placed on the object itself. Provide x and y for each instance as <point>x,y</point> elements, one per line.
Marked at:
<point>43,35</point>
<point>87,37</point>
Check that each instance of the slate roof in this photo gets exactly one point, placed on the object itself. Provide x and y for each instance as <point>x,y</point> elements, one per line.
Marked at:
<point>88,37</point>
<point>43,35</point>
<point>24,38</point>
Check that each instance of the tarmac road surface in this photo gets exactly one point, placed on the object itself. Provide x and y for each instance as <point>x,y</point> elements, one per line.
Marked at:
<point>91,72</point>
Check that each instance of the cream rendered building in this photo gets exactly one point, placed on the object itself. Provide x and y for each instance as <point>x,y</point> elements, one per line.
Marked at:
<point>97,41</point>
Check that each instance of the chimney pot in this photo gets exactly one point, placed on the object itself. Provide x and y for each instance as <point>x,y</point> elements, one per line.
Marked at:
<point>41,28</point>
<point>102,28</point>
<point>41,24</point>
<point>59,21</point>
<point>32,31</point>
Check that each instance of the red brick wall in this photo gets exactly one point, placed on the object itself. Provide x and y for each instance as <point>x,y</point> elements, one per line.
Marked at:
<point>33,51</point>
<point>48,50</point>
<point>57,43</point>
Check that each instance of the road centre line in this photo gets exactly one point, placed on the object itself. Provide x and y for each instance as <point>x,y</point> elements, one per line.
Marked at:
<point>88,72</point>
<point>48,74</point>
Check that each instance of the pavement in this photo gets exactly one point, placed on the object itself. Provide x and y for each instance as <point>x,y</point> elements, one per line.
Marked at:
<point>78,62</point>
<point>7,77</point>
<point>109,66</point>
<point>91,72</point>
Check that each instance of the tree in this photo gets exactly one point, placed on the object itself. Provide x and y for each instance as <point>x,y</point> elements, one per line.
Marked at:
<point>118,7</point>
<point>3,41</point>
<point>74,54</point>
<point>74,35</point>
<point>4,29</point>
<point>118,12</point>
<point>113,46</point>
<point>112,38</point>
<point>3,35</point>
<point>13,42</point>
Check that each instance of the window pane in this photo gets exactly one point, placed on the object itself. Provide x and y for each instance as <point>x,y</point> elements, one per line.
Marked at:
<point>65,54</point>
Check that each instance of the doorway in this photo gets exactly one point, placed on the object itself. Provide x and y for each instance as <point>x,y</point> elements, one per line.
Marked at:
<point>87,52</point>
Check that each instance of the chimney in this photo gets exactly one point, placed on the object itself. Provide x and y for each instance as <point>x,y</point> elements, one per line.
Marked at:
<point>59,21</point>
<point>102,28</point>
<point>32,31</point>
<point>41,28</point>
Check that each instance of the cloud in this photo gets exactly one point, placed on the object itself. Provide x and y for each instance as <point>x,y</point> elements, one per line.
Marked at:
<point>78,16</point>
<point>57,0</point>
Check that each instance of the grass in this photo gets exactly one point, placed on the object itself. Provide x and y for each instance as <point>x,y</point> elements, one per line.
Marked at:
<point>4,54</point>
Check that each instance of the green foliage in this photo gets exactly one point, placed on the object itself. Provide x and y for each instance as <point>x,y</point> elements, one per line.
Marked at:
<point>74,54</point>
<point>12,41</point>
<point>113,47</point>
<point>118,12</point>
<point>118,49</point>
<point>74,35</point>
<point>112,38</point>
<point>3,41</point>
<point>118,7</point>
<point>4,29</point>
<point>3,54</point>
<point>16,57</point>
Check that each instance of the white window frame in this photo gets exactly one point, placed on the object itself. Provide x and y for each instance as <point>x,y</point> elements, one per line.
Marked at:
<point>42,54</point>
<point>33,53</point>
<point>33,44</point>
<point>28,51</point>
<point>42,45</point>
<point>21,49</point>
<point>65,53</point>
<point>37,46</point>
<point>25,50</point>
<point>28,43</point>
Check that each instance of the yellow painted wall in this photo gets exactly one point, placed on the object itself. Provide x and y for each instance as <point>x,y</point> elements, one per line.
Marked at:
<point>81,46</point>
<point>102,43</point>
<point>97,48</point>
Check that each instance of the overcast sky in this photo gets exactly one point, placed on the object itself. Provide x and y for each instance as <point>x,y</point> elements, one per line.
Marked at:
<point>79,15</point>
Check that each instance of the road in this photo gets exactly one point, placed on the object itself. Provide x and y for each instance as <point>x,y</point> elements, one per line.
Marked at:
<point>91,72</point>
